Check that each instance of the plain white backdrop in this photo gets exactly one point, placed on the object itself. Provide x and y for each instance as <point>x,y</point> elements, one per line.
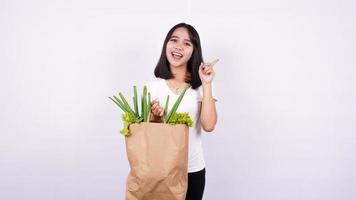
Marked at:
<point>285,81</point>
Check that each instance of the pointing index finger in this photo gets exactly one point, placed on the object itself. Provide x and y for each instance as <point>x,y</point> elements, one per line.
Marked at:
<point>214,61</point>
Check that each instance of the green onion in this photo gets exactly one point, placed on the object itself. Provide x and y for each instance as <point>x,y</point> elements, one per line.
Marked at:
<point>144,104</point>
<point>176,104</point>
<point>135,100</point>
<point>131,116</point>
<point>148,107</point>
<point>166,109</point>
<point>127,105</point>
<point>118,104</point>
<point>121,103</point>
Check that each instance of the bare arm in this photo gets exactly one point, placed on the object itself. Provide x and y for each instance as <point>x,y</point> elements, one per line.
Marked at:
<point>208,114</point>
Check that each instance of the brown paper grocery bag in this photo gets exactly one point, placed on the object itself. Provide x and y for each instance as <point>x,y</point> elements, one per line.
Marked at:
<point>158,157</point>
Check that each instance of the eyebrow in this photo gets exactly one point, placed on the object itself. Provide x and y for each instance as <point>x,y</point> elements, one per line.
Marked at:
<point>173,36</point>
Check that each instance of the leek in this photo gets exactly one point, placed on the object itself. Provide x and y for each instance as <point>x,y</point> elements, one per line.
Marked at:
<point>176,104</point>
<point>166,109</point>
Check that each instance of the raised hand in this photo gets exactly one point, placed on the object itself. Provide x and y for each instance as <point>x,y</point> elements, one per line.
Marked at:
<point>206,71</point>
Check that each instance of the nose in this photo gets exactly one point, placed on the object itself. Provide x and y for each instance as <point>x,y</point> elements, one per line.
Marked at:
<point>178,47</point>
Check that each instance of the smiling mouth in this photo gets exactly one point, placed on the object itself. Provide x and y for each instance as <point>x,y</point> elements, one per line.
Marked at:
<point>177,55</point>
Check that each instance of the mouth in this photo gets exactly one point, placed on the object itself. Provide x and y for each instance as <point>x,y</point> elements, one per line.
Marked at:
<point>176,55</point>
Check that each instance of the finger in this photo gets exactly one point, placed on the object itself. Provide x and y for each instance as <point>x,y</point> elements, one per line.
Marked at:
<point>156,112</point>
<point>207,68</point>
<point>154,106</point>
<point>158,108</point>
<point>209,72</point>
<point>157,104</point>
<point>214,61</point>
<point>154,102</point>
<point>160,112</point>
<point>201,66</point>
<point>207,65</point>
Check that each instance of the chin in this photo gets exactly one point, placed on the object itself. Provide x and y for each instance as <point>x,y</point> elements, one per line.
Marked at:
<point>176,64</point>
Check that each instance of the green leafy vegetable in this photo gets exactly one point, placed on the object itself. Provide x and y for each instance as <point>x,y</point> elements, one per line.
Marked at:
<point>181,118</point>
<point>128,120</point>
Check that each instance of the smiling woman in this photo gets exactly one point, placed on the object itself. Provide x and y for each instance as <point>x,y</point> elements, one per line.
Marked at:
<point>181,64</point>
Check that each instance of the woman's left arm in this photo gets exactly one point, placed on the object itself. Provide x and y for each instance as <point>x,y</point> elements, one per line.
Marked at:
<point>208,114</point>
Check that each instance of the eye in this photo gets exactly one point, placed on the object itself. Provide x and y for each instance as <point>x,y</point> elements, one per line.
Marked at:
<point>188,44</point>
<point>173,40</point>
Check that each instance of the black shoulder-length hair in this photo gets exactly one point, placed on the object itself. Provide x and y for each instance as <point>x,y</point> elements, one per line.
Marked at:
<point>163,70</point>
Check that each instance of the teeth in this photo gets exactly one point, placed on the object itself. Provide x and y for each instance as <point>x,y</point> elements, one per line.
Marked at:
<point>177,54</point>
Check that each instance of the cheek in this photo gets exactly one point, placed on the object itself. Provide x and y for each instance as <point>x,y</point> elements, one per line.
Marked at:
<point>189,52</point>
<point>168,47</point>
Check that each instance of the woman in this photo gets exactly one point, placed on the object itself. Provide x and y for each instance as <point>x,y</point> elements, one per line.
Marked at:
<point>181,64</point>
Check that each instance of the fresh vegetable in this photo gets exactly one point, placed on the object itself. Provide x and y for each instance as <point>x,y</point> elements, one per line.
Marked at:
<point>168,116</point>
<point>128,119</point>
<point>131,116</point>
<point>181,118</point>
<point>166,109</point>
<point>135,100</point>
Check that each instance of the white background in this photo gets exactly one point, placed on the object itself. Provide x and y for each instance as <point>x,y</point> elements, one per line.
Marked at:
<point>286,85</point>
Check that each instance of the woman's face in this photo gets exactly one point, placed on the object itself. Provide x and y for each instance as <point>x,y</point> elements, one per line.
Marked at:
<point>179,48</point>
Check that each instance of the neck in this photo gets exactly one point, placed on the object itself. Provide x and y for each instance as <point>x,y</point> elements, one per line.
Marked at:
<point>179,73</point>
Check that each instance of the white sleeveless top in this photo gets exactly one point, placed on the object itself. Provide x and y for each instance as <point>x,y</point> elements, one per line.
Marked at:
<point>191,103</point>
